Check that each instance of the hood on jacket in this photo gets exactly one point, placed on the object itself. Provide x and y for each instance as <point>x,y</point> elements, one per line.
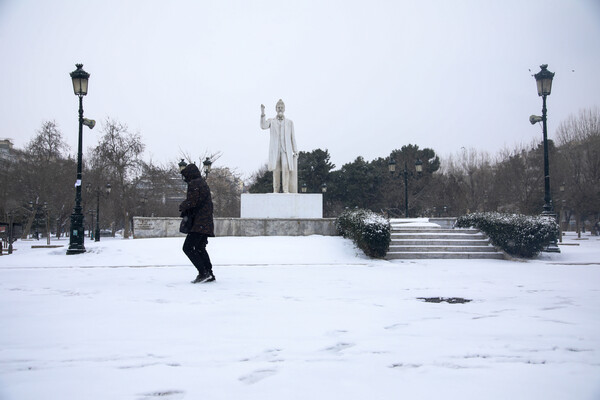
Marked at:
<point>190,172</point>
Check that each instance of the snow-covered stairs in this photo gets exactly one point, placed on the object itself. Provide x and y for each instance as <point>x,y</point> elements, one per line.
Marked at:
<point>416,242</point>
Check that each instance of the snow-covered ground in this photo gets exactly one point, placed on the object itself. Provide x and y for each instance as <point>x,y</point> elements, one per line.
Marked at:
<point>296,318</point>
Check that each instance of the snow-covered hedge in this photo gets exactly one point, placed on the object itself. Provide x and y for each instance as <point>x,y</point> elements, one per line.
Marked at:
<point>369,231</point>
<point>518,235</point>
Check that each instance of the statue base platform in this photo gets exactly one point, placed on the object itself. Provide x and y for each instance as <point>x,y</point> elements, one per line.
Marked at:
<point>282,205</point>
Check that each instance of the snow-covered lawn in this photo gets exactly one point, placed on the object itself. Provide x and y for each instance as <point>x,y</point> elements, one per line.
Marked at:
<point>296,318</point>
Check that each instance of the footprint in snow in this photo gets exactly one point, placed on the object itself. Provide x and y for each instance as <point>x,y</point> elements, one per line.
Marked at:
<point>257,376</point>
<point>166,395</point>
<point>270,355</point>
<point>339,347</point>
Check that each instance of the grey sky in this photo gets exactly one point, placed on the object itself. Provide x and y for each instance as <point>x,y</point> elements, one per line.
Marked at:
<point>358,78</point>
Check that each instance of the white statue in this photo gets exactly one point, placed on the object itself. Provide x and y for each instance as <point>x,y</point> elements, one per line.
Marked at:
<point>283,153</point>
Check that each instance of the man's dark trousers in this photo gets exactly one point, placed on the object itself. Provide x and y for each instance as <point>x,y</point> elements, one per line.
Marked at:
<point>195,248</point>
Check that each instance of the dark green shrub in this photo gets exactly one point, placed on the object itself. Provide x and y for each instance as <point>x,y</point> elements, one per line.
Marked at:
<point>518,235</point>
<point>368,230</point>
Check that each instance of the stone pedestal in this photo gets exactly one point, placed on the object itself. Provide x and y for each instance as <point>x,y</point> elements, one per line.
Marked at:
<point>282,205</point>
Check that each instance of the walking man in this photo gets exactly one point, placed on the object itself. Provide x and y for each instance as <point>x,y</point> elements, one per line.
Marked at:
<point>197,213</point>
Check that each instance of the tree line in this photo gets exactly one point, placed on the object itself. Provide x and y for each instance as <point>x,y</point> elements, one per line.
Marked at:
<point>37,182</point>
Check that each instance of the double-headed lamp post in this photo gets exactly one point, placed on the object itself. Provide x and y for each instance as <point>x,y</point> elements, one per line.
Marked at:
<point>80,87</point>
<point>98,192</point>
<point>392,169</point>
<point>544,87</point>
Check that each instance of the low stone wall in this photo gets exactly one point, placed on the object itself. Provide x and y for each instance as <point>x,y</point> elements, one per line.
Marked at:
<point>155,227</point>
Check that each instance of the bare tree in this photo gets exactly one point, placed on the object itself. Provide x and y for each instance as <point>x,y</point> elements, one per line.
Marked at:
<point>159,189</point>
<point>46,174</point>
<point>518,179</point>
<point>48,143</point>
<point>118,157</point>
<point>471,174</point>
<point>226,188</point>
<point>579,140</point>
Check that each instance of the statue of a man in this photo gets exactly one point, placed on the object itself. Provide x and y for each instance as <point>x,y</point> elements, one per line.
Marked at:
<point>283,153</point>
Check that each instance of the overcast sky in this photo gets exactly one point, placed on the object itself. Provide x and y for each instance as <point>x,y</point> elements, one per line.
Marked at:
<point>359,78</point>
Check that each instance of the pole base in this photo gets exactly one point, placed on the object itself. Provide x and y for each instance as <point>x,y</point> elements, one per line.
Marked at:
<point>76,239</point>
<point>552,248</point>
<point>75,251</point>
<point>549,213</point>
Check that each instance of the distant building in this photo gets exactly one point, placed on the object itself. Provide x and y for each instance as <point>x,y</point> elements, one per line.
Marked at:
<point>6,147</point>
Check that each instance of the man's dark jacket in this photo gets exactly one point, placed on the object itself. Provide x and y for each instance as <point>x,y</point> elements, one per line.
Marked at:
<point>198,204</point>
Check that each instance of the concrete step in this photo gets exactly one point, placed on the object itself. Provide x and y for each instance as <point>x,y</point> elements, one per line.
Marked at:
<point>431,236</point>
<point>444,255</point>
<point>440,242</point>
<point>449,249</point>
<point>399,229</point>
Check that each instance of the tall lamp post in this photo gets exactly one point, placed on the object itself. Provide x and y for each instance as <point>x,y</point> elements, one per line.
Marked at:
<point>144,201</point>
<point>92,231</point>
<point>76,239</point>
<point>544,87</point>
<point>10,231</point>
<point>207,166</point>
<point>107,190</point>
<point>561,188</point>
<point>392,169</point>
<point>47,215</point>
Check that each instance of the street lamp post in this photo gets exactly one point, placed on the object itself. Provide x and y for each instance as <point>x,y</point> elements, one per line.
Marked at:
<point>34,222</point>
<point>561,188</point>
<point>47,215</point>
<point>544,88</point>
<point>98,192</point>
<point>92,212</point>
<point>36,210</point>
<point>392,169</point>
<point>10,231</point>
<point>405,190</point>
<point>144,201</point>
<point>107,190</point>
<point>207,163</point>
<point>76,239</point>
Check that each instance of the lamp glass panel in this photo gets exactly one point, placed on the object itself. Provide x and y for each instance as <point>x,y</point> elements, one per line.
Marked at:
<point>80,86</point>
<point>547,86</point>
<point>84,86</point>
<point>544,87</point>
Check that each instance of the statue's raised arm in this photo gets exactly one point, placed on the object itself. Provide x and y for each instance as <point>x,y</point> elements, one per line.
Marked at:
<point>264,123</point>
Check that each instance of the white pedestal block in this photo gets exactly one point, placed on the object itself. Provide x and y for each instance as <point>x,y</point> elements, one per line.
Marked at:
<point>282,205</point>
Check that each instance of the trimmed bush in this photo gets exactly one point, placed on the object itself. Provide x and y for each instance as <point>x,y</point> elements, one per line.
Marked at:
<point>518,235</point>
<point>368,230</point>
